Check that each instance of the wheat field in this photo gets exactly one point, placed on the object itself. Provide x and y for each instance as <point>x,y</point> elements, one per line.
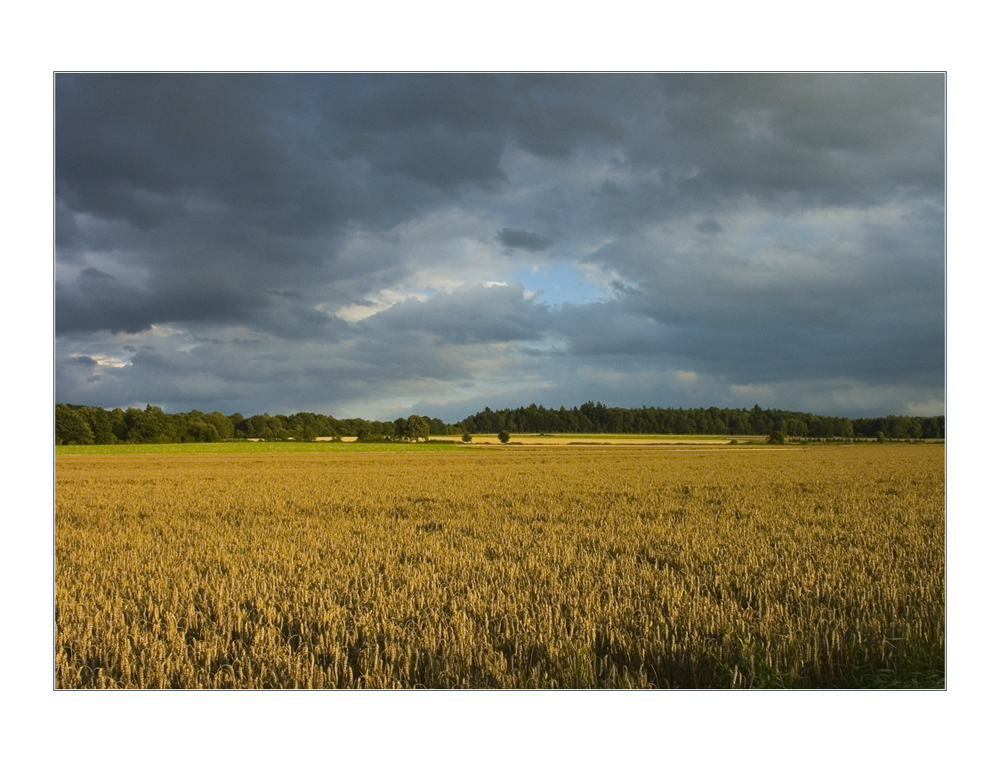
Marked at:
<point>607,567</point>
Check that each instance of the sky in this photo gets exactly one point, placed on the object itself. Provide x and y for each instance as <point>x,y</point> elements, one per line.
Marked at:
<point>382,244</point>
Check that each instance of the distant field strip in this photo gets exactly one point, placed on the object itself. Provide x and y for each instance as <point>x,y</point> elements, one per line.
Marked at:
<point>253,448</point>
<point>437,444</point>
<point>505,567</point>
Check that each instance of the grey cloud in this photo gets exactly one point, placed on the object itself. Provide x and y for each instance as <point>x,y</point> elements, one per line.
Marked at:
<point>829,137</point>
<point>523,239</point>
<point>792,141</point>
<point>469,315</point>
<point>241,375</point>
<point>205,175</point>
<point>547,114</point>
<point>367,103</point>
<point>554,131</point>
<point>147,357</point>
<point>757,229</point>
<point>121,134</point>
<point>606,330</point>
<point>97,301</point>
<point>441,158</point>
<point>878,317</point>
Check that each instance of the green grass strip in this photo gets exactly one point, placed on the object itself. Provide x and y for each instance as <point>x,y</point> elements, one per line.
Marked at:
<point>254,448</point>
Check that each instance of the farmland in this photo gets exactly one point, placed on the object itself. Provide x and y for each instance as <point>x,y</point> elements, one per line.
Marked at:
<point>604,566</point>
<point>250,448</point>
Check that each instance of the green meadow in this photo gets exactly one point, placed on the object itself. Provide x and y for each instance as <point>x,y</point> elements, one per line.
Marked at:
<point>253,448</point>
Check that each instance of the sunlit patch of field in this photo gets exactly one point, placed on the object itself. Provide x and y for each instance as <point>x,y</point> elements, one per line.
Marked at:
<point>607,439</point>
<point>502,567</point>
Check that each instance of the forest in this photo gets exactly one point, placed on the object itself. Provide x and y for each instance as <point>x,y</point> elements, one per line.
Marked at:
<point>598,419</point>
<point>81,424</point>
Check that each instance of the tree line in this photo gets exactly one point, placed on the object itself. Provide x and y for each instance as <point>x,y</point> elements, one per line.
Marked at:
<point>595,418</point>
<point>81,424</point>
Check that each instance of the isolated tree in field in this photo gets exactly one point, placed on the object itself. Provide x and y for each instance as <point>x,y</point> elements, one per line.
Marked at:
<point>776,437</point>
<point>466,437</point>
<point>417,428</point>
<point>504,436</point>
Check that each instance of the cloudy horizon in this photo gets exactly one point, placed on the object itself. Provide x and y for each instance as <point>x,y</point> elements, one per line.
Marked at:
<point>377,245</point>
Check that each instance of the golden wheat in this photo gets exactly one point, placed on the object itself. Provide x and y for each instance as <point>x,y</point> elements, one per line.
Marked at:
<point>617,567</point>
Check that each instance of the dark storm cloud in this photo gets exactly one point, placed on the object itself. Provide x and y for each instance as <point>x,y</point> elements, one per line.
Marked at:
<point>834,137</point>
<point>873,310</point>
<point>549,114</point>
<point>441,158</point>
<point>257,177</point>
<point>769,230</point>
<point>523,239</point>
<point>98,301</point>
<point>552,128</point>
<point>121,136</point>
<point>846,139</point>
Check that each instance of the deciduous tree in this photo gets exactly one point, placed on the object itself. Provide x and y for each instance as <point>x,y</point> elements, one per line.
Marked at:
<point>417,428</point>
